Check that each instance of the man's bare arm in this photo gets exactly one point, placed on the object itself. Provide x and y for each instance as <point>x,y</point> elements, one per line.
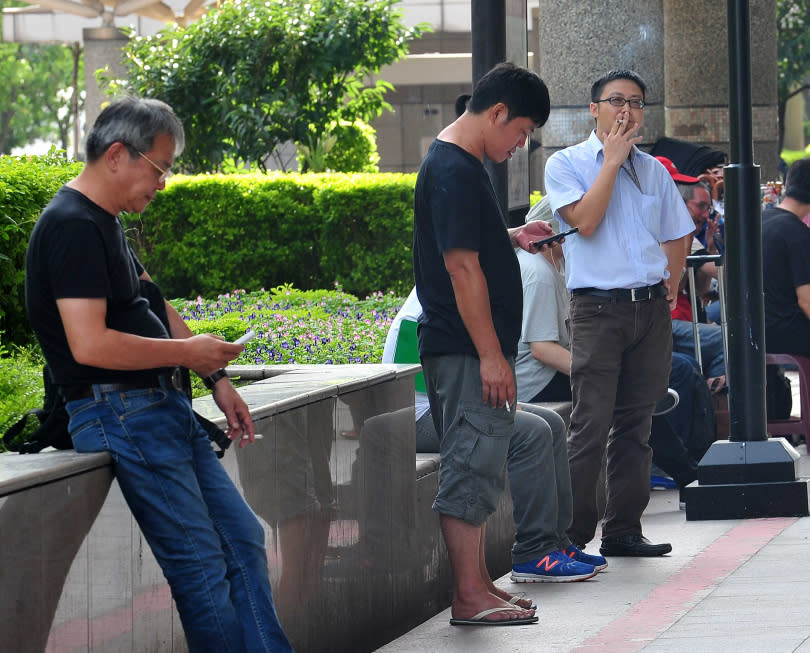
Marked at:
<point>472,298</point>
<point>552,354</point>
<point>92,343</point>
<point>675,251</point>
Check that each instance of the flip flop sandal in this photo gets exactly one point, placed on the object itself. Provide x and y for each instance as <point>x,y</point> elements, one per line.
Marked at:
<point>479,619</point>
<point>521,597</point>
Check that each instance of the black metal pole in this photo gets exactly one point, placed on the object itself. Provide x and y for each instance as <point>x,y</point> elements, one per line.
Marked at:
<point>745,309</point>
<point>488,27</point>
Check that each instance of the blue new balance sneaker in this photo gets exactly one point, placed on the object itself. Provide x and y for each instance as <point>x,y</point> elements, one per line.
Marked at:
<point>575,553</point>
<point>556,567</point>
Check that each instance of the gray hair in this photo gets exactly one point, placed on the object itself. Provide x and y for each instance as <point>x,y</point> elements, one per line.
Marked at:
<point>135,122</point>
<point>688,190</point>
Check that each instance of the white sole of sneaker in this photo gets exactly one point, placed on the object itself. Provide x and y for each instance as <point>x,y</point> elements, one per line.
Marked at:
<point>537,578</point>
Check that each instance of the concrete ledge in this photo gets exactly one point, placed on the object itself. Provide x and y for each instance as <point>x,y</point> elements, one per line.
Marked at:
<point>18,472</point>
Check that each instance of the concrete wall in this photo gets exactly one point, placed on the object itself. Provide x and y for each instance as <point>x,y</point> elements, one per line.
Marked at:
<point>355,552</point>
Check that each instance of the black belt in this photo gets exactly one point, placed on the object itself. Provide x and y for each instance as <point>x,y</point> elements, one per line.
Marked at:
<point>643,294</point>
<point>166,381</point>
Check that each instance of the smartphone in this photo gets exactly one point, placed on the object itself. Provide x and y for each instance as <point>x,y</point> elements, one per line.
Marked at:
<point>555,238</point>
<point>245,338</point>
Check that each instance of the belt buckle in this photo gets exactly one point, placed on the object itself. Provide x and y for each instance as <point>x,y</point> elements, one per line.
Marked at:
<point>638,298</point>
<point>176,379</point>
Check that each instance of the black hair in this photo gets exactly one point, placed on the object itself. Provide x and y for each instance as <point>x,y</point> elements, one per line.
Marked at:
<point>461,104</point>
<point>135,122</point>
<point>599,85</point>
<point>797,184</point>
<point>521,90</point>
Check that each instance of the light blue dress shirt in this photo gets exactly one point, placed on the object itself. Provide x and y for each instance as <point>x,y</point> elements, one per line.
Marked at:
<point>624,251</point>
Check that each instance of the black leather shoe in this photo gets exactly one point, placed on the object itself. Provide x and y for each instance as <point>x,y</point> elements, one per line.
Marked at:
<point>636,546</point>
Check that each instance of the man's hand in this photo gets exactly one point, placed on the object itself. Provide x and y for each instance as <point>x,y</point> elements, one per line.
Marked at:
<point>525,235</point>
<point>711,229</point>
<point>617,143</point>
<point>207,353</point>
<point>240,424</point>
<point>497,381</point>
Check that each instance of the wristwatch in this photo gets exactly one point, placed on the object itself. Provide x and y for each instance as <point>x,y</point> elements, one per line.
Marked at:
<point>211,380</point>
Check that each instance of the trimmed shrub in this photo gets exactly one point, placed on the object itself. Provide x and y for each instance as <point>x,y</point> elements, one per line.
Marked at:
<point>27,184</point>
<point>256,231</point>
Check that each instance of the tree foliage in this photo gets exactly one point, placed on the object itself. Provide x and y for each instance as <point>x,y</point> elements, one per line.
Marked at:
<point>42,89</point>
<point>253,74</point>
<point>793,47</point>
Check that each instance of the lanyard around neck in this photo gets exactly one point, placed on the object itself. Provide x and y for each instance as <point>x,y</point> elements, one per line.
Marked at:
<point>632,172</point>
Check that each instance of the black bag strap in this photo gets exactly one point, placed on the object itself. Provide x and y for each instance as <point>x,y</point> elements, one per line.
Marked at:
<point>153,294</point>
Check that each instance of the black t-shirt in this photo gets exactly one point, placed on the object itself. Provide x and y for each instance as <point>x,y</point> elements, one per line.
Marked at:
<point>455,207</point>
<point>78,250</point>
<point>786,265</point>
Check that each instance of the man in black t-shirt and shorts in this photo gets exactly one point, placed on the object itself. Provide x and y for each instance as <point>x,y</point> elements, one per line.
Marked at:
<point>115,361</point>
<point>468,283</point>
<point>786,266</point>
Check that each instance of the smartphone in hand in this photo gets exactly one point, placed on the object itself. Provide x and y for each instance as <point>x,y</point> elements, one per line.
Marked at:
<point>555,238</point>
<point>245,338</point>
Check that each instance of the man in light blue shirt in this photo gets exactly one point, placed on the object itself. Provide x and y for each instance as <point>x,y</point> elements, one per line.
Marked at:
<point>623,269</point>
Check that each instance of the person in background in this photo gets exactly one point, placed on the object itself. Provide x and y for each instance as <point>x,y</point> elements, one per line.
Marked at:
<point>539,481</point>
<point>543,363</point>
<point>786,266</point>
<point>698,202</point>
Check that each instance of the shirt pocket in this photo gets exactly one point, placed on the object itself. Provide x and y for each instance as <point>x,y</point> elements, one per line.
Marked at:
<point>651,214</point>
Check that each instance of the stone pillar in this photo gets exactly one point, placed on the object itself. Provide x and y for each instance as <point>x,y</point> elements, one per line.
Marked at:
<point>102,49</point>
<point>696,72</point>
<point>578,42</point>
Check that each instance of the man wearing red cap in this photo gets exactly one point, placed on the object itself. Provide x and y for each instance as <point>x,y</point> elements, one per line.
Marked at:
<point>698,202</point>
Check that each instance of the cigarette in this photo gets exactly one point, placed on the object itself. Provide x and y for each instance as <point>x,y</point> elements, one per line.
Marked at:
<point>619,122</point>
<point>507,407</point>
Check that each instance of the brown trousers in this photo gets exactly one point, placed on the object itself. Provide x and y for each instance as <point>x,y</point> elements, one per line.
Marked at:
<point>621,353</point>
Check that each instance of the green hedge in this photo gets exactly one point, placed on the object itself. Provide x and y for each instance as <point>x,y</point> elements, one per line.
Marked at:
<point>206,235</point>
<point>209,234</point>
<point>26,186</point>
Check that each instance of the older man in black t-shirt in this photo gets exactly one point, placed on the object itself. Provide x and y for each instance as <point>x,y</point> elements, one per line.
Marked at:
<point>112,356</point>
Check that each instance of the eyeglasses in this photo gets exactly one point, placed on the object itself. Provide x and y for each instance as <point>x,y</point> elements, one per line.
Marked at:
<point>164,174</point>
<point>701,206</point>
<point>619,102</point>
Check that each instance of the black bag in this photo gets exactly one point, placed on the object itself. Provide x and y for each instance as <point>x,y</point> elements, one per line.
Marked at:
<point>53,422</point>
<point>778,397</point>
<point>704,419</point>
<point>53,429</point>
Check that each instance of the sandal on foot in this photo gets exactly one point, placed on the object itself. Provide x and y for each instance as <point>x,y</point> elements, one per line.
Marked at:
<point>479,619</point>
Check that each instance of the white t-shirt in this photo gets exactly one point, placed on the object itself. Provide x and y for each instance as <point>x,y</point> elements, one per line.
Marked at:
<point>545,309</point>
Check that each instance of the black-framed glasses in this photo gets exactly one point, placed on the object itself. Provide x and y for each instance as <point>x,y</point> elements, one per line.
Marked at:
<point>619,102</point>
<point>164,174</point>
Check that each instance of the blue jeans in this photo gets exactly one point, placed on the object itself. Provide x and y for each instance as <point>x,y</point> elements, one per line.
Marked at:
<point>711,345</point>
<point>208,541</point>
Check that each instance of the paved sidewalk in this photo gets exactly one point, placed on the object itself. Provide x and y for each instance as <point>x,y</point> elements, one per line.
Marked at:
<point>733,586</point>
